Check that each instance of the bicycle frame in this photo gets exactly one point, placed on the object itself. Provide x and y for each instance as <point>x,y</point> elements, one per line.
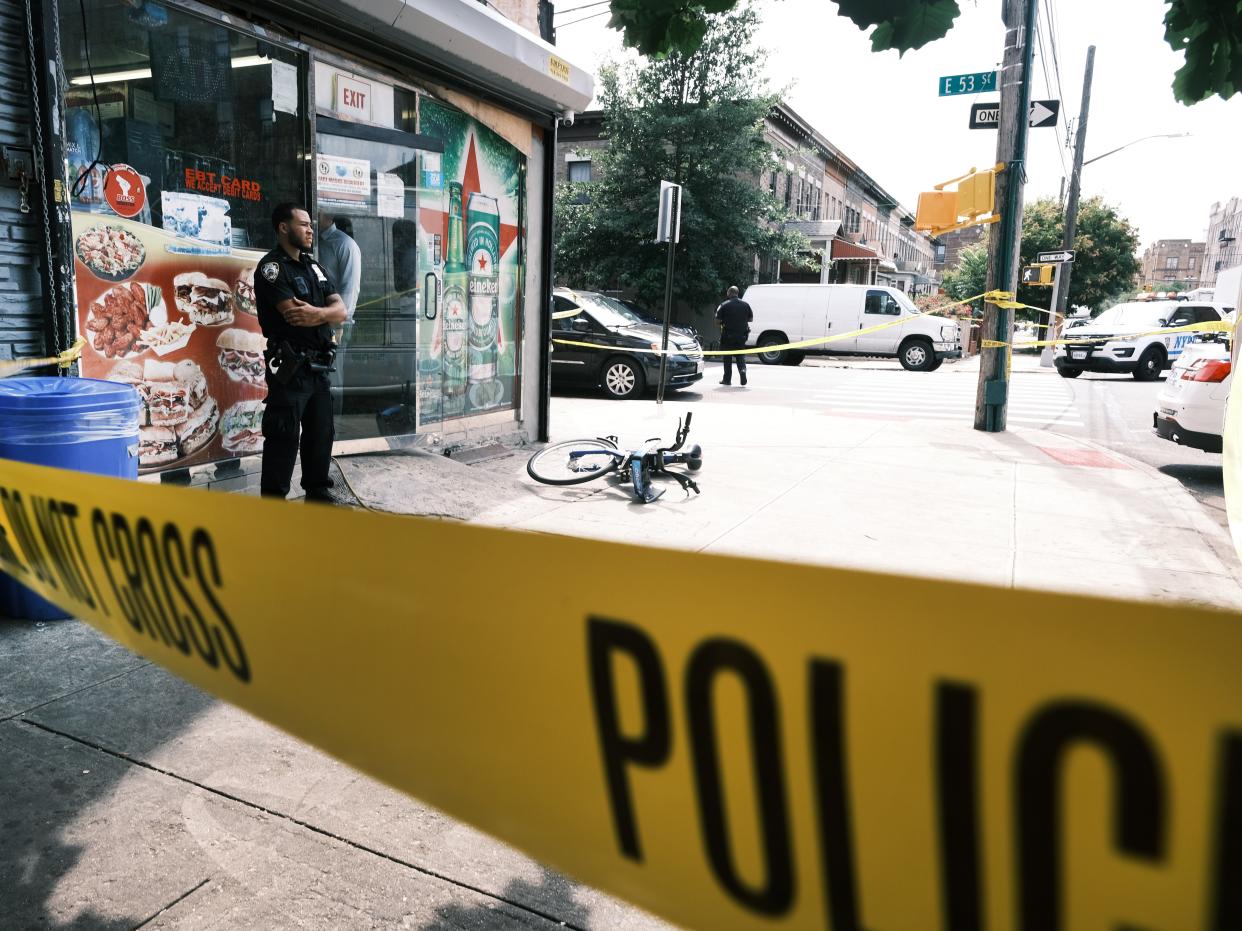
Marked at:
<point>646,461</point>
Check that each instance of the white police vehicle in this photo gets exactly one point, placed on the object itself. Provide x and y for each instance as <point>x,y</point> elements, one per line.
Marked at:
<point>1120,339</point>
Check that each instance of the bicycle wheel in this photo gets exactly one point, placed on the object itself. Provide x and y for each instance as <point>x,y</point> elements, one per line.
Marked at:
<point>573,462</point>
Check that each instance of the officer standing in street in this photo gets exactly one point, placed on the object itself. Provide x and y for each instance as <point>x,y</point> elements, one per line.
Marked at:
<point>298,308</point>
<point>734,317</point>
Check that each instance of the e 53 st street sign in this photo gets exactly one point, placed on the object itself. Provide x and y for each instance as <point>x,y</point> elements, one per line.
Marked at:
<point>977,83</point>
<point>987,115</point>
<point>1064,255</point>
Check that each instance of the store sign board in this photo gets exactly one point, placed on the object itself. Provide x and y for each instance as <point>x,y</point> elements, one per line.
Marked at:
<point>353,97</point>
<point>558,68</point>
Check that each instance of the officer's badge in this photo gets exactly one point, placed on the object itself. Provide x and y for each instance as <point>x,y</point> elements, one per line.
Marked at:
<point>270,271</point>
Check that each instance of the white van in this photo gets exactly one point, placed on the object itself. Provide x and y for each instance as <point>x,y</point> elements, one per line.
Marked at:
<point>790,313</point>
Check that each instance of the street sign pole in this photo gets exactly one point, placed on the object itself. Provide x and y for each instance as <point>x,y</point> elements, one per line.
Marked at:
<point>668,230</point>
<point>1015,76</point>
<point>1071,205</point>
<point>1045,357</point>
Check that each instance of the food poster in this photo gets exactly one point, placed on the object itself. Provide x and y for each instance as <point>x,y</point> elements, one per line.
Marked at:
<point>175,318</point>
<point>481,178</point>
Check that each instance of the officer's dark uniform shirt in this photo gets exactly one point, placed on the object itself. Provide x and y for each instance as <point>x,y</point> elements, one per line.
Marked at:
<point>734,316</point>
<point>278,278</point>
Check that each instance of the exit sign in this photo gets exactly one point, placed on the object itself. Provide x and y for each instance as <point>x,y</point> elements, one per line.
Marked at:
<point>353,97</point>
<point>980,82</point>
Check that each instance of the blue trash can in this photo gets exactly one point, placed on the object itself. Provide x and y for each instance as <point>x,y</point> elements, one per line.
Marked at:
<point>71,423</point>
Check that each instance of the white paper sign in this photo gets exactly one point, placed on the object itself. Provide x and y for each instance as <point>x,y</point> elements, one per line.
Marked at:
<point>390,194</point>
<point>344,177</point>
<point>285,87</point>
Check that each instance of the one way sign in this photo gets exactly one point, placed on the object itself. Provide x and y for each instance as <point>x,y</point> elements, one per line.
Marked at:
<point>987,115</point>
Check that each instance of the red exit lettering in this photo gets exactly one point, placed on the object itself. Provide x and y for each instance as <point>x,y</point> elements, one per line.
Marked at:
<point>356,99</point>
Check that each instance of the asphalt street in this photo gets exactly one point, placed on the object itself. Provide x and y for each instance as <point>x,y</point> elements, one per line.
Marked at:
<point>1112,410</point>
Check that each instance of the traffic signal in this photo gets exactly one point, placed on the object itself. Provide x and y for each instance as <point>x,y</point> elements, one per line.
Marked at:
<point>976,194</point>
<point>1038,274</point>
<point>936,210</point>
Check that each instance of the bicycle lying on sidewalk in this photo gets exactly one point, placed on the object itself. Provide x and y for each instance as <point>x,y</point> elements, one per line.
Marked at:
<point>576,461</point>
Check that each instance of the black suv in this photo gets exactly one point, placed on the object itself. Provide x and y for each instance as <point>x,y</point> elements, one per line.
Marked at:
<point>615,367</point>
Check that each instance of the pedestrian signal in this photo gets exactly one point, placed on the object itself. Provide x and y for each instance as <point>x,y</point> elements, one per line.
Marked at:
<point>1038,274</point>
<point>972,204</point>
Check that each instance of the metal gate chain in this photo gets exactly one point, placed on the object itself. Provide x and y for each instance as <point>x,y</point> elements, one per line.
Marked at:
<point>57,343</point>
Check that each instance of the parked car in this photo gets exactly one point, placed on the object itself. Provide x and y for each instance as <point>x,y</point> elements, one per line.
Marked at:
<point>790,313</point>
<point>1190,409</point>
<point>620,369</point>
<point>1121,339</point>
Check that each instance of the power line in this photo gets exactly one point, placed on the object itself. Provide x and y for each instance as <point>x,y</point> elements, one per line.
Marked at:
<point>1054,26</point>
<point>574,22</point>
<point>585,6</point>
<point>1043,62</point>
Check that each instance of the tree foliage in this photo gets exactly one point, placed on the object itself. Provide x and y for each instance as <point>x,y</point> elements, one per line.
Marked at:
<point>1106,263</point>
<point>695,119</point>
<point>970,276</point>
<point>1208,32</point>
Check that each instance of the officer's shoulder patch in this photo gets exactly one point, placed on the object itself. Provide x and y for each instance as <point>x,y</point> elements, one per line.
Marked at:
<point>270,271</point>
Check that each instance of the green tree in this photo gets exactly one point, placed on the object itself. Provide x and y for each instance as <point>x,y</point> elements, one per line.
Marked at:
<point>695,119</point>
<point>1208,32</point>
<point>969,277</point>
<point>1105,245</point>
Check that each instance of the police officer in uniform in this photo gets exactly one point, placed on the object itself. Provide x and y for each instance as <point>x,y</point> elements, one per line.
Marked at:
<point>734,317</point>
<point>298,308</point>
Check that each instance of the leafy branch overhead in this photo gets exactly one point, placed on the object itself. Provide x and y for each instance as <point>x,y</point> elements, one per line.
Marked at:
<point>1208,32</point>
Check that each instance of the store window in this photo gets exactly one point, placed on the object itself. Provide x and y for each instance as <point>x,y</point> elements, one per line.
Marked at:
<point>182,136</point>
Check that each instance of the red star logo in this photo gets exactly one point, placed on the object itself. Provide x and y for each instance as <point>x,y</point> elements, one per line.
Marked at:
<point>482,263</point>
<point>437,220</point>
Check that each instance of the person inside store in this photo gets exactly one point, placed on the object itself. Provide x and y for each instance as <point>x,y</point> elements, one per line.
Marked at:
<point>342,260</point>
<point>299,306</point>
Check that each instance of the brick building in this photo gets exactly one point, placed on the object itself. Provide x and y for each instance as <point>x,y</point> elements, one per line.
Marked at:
<point>1173,261</point>
<point>1224,239</point>
<point>949,246</point>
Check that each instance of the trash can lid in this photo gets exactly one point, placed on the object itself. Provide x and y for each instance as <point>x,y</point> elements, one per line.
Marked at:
<point>51,396</point>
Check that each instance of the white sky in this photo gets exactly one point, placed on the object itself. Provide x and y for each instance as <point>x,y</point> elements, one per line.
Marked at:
<point>883,111</point>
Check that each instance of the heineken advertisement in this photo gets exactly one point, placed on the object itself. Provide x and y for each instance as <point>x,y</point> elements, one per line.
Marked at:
<point>476,335</point>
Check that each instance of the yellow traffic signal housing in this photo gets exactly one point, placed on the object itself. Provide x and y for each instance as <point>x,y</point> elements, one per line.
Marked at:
<point>936,210</point>
<point>976,194</point>
<point>1038,274</point>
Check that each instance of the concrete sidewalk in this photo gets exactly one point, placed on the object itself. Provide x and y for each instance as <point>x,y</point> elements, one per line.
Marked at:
<point>133,800</point>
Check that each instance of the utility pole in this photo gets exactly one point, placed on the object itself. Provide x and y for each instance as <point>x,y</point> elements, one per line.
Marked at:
<point>1015,110</point>
<point>1065,269</point>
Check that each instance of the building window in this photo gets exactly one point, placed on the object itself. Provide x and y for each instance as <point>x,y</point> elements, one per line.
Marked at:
<point>1170,262</point>
<point>1190,263</point>
<point>940,252</point>
<point>772,182</point>
<point>579,171</point>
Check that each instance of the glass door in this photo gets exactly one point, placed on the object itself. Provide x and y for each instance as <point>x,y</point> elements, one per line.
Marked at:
<point>382,188</point>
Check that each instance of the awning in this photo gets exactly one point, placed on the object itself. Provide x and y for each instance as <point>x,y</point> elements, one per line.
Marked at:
<point>848,250</point>
<point>464,37</point>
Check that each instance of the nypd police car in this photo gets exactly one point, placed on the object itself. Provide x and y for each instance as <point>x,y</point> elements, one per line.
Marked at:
<point>1121,339</point>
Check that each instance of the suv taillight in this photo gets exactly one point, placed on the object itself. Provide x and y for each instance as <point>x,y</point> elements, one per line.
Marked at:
<point>1211,370</point>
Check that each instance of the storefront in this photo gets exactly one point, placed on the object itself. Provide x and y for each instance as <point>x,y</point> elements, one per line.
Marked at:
<point>186,125</point>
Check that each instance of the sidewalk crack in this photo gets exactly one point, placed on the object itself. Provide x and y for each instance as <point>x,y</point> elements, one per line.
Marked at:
<point>181,898</point>
<point>305,825</point>
<point>52,701</point>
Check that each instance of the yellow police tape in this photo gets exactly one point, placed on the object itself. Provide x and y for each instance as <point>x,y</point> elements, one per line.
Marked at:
<point>64,360</point>
<point>1208,326</point>
<point>727,742</point>
<point>800,344</point>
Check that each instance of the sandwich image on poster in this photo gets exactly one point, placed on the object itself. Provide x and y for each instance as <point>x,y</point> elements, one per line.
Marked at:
<point>205,301</point>
<point>243,290</point>
<point>201,223</point>
<point>241,427</point>
<point>198,429</point>
<point>168,399</point>
<point>157,445</point>
<point>241,355</point>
